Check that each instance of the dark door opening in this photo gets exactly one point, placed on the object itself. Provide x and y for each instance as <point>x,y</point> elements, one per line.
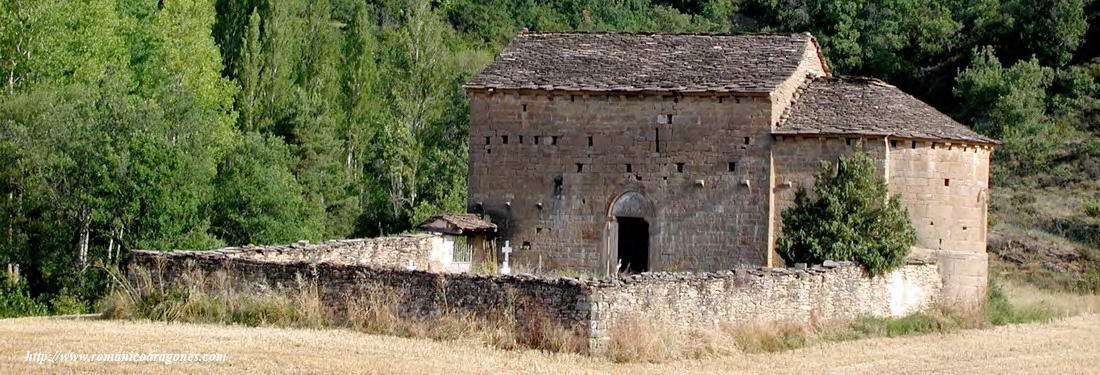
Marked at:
<point>633,244</point>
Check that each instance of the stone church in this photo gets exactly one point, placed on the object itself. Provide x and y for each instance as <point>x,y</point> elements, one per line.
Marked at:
<point>647,152</point>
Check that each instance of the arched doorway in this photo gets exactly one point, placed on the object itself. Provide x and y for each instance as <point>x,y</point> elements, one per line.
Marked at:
<point>629,233</point>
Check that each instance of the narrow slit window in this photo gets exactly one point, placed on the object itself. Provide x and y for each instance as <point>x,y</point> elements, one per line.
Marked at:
<point>848,141</point>
<point>557,187</point>
<point>525,108</point>
<point>731,166</point>
<point>536,139</point>
<point>668,119</point>
<point>580,167</point>
<point>504,139</point>
<point>573,98</point>
<point>589,141</point>
<point>719,99</point>
<point>521,139</point>
<point>680,167</point>
<point>657,138</point>
<point>629,168</point>
<point>488,140</point>
<point>914,144</point>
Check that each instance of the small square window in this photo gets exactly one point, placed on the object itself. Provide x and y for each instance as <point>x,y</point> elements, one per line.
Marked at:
<point>914,144</point>
<point>680,167</point>
<point>748,140</point>
<point>947,182</point>
<point>731,166</point>
<point>629,168</point>
<point>504,139</point>
<point>580,167</point>
<point>554,140</point>
<point>893,144</point>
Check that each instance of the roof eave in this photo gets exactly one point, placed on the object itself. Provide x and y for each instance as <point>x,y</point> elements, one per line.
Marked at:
<point>990,142</point>
<point>570,90</point>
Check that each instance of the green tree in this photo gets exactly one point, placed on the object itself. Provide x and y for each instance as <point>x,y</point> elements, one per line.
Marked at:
<point>851,217</point>
<point>258,199</point>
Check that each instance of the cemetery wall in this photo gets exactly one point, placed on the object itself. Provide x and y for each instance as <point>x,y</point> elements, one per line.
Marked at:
<point>590,308</point>
<point>837,293</point>
<point>428,252</point>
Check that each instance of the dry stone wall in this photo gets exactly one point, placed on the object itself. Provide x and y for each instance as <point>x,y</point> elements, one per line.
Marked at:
<point>590,308</point>
<point>416,293</point>
<point>841,292</point>
<point>417,251</point>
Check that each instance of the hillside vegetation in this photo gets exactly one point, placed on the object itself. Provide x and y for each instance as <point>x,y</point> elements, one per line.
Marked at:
<point>200,123</point>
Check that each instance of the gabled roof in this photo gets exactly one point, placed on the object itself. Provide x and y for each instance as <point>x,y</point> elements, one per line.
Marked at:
<point>867,106</point>
<point>457,224</point>
<point>606,61</point>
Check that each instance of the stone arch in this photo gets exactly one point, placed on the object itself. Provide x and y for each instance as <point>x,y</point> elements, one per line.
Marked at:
<point>631,204</point>
<point>629,232</point>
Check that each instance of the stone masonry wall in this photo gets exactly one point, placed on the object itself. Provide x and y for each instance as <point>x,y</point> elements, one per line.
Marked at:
<point>418,293</point>
<point>945,187</point>
<point>834,292</point>
<point>838,293</point>
<point>546,168</point>
<point>418,251</point>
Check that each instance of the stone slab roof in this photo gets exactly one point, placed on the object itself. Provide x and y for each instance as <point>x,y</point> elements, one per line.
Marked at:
<point>457,224</point>
<point>867,106</point>
<point>607,61</point>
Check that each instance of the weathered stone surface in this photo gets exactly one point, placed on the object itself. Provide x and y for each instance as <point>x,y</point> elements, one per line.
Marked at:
<point>590,307</point>
<point>421,251</point>
<point>867,106</point>
<point>614,61</point>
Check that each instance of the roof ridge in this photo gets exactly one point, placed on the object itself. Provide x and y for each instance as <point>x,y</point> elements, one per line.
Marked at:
<point>854,79</point>
<point>658,33</point>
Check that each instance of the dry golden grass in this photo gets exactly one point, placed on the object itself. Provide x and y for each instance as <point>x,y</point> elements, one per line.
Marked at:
<point>1071,345</point>
<point>1059,303</point>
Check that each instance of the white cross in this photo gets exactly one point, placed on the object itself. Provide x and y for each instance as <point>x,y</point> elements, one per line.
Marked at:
<point>504,268</point>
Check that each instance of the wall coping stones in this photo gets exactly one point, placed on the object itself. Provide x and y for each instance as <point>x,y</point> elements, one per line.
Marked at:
<point>827,267</point>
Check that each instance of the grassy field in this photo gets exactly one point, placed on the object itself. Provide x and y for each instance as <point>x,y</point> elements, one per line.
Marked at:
<point>1070,345</point>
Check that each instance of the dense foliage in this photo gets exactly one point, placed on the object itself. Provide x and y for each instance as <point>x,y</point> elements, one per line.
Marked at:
<point>851,217</point>
<point>197,123</point>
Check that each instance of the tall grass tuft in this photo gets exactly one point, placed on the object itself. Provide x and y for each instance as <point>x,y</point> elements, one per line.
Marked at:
<point>200,297</point>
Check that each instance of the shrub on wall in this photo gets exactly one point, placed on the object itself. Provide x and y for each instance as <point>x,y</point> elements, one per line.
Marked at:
<point>851,217</point>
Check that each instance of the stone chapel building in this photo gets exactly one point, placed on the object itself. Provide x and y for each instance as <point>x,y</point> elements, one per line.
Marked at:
<point>592,151</point>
